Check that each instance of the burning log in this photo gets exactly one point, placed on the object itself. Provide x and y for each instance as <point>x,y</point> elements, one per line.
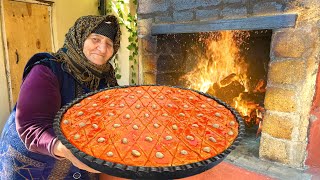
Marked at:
<point>249,104</point>
<point>256,97</point>
<point>260,87</point>
<point>227,89</point>
<point>228,80</point>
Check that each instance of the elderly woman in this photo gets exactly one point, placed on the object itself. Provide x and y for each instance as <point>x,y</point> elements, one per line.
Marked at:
<point>29,148</point>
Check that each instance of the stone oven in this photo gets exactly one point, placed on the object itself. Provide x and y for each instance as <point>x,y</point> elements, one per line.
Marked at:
<point>293,62</point>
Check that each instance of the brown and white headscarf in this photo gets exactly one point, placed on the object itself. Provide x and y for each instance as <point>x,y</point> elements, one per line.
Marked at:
<point>76,63</point>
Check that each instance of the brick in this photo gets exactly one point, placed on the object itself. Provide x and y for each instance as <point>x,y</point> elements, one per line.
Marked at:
<point>149,63</point>
<point>207,14</point>
<point>280,100</point>
<point>287,72</point>
<point>144,27</point>
<point>274,149</point>
<point>301,132</point>
<point>267,7</point>
<point>148,45</point>
<point>163,19</point>
<point>182,16</point>
<point>151,6</point>
<point>230,12</point>
<point>185,4</point>
<point>278,126</point>
<point>207,3</point>
<point>288,45</point>
<point>149,78</point>
<point>297,155</point>
<point>234,1</point>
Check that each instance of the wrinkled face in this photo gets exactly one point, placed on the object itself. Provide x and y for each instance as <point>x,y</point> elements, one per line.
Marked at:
<point>98,48</point>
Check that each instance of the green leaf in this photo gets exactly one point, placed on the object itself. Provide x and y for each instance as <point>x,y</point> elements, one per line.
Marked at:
<point>118,76</point>
<point>131,39</point>
<point>135,53</point>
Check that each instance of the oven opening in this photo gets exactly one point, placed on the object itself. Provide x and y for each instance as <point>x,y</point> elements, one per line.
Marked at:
<point>230,65</point>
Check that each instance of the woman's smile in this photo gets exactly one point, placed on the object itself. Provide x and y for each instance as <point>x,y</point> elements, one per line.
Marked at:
<point>98,48</point>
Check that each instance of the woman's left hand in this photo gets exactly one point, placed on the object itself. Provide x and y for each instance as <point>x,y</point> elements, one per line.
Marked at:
<point>61,151</point>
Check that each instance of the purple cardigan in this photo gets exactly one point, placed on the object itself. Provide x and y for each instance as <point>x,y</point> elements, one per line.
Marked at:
<point>38,102</point>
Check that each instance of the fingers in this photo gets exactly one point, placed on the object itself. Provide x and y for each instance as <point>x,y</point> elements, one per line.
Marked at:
<point>76,162</point>
<point>87,168</point>
<point>81,165</point>
<point>93,171</point>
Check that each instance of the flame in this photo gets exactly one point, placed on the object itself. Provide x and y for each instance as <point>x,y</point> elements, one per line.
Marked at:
<point>221,59</point>
<point>220,65</point>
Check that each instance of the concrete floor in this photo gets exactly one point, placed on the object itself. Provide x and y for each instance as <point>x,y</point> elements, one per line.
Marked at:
<point>246,156</point>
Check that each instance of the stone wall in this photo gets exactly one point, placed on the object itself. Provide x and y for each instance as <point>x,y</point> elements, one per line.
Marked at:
<point>294,62</point>
<point>291,82</point>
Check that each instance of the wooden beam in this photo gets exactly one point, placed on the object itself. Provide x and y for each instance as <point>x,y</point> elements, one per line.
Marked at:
<point>250,23</point>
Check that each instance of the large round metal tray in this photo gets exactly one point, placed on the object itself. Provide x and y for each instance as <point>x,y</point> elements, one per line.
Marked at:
<point>139,172</point>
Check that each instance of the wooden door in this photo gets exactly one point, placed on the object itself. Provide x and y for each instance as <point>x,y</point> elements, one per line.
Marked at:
<point>28,31</point>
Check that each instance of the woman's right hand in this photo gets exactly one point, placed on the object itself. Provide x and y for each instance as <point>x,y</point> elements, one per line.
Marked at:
<point>60,150</point>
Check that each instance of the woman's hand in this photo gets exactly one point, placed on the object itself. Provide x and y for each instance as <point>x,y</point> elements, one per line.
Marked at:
<point>60,150</point>
<point>109,177</point>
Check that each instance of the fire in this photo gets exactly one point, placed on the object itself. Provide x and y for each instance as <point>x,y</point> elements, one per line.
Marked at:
<point>222,71</point>
<point>221,59</point>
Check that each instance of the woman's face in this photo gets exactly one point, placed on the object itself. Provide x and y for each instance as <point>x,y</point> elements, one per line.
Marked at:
<point>98,48</point>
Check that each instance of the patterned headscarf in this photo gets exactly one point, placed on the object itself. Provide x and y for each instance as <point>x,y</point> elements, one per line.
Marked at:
<point>76,63</point>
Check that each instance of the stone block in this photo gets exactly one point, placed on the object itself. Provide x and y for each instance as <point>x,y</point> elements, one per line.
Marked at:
<point>287,72</point>
<point>149,78</point>
<point>297,155</point>
<point>278,126</point>
<point>144,27</point>
<point>151,6</point>
<point>149,63</point>
<point>274,149</point>
<point>207,14</point>
<point>209,2</point>
<point>185,4</point>
<point>148,45</point>
<point>163,19</point>
<point>234,12</point>
<point>179,16</point>
<point>280,100</point>
<point>289,44</point>
<point>267,8</point>
<point>234,1</point>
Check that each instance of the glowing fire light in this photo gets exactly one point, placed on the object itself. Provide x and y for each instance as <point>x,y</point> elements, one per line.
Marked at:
<point>220,65</point>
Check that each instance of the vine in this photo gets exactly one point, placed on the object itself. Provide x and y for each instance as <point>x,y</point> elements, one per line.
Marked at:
<point>129,20</point>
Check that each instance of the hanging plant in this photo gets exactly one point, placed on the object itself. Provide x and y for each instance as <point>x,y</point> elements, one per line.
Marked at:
<point>122,9</point>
